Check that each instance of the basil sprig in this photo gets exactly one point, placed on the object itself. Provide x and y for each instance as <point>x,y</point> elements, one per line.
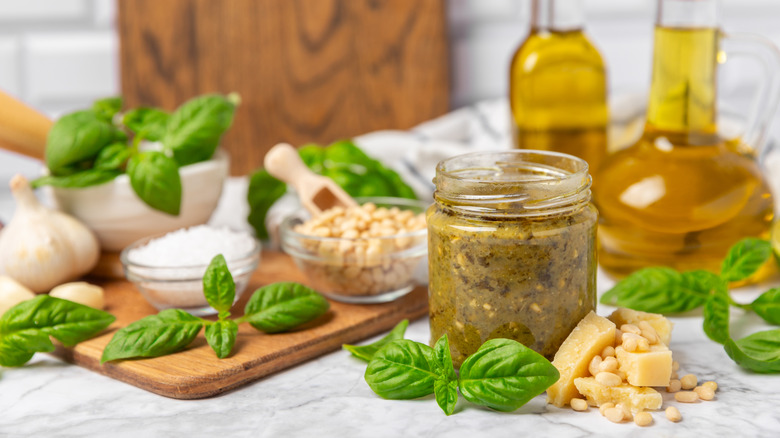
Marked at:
<point>366,352</point>
<point>664,290</point>
<point>502,375</point>
<point>282,307</point>
<point>26,328</point>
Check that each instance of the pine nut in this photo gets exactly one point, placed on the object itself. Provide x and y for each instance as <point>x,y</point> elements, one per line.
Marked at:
<point>674,386</point>
<point>609,365</point>
<point>630,328</point>
<point>686,397</point>
<point>593,367</point>
<point>643,345</point>
<point>643,419</point>
<point>579,404</point>
<point>689,381</point>
<point>618,336</point>
<point>609,351</point>
<point>608,379</point>
<point>673,414</point>
<point>603,408</point>
<point>630,345</point>
<point>705,393</point>
<point>710,384</point>
<point>651,336</point>
<point>626,411</point>
<point>614,415</point>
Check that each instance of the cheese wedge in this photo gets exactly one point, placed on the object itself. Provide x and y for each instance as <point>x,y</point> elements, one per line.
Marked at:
<point>661,325</point>
<point>646,368</point>
<point>592,334</point>
<point>636,398</point>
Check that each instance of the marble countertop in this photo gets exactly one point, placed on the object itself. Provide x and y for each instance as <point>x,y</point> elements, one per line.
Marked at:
<point>328,397</point>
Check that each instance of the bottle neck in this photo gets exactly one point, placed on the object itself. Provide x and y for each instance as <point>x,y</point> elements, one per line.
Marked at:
<point>557,15</point>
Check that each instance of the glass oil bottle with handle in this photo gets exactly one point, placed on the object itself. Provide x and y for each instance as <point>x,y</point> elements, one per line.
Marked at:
<point>683,194</point>
<point>557,85</point>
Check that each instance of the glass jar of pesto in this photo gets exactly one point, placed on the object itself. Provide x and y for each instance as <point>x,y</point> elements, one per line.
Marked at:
<point>511,249</point>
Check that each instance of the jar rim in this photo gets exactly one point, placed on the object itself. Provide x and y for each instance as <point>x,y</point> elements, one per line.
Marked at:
<point>521,181</point>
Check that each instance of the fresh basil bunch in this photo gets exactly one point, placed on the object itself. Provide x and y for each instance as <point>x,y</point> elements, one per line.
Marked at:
<point>502,375</point>
<point>664,290</point>
<point>94,146</point>
<point>343,162</point>
<point>274,308</point>
<point>26,328</point>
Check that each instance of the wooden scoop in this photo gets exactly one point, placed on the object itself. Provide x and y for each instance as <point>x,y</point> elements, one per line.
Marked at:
<point>22,129</point>
<point>317,193</point>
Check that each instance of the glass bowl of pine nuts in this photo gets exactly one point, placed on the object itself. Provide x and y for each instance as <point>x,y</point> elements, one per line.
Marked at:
<point>372,253</point>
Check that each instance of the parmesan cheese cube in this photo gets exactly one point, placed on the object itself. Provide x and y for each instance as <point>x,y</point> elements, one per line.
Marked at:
<point>592,334</point>
<point>635,398</point>
<point>661,325</point>
<point>646,368</point>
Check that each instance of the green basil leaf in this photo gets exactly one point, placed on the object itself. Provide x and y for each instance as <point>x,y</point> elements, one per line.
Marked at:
<point>221,336</point>
<point>767,306</point>
<point>77,137</point>
<point>716,314</point>
<point>149,122</point>
<point>744,259</point>
<point>86,178</point>
<point>218,285</point>
<point>759,352</point>
<point>366,352</point>
<point>195,128</point>
<point>661,290</point>
<point>108,107</point>
<point>15,350</point>
<point>445,387</point>
<point>263,191</point>
<point>68,322</point>
<point>169,331</point>
<point>282,306</point>
<point>155,179</point>
<point>401,370</point>
<point>505,374</point>
<point>112,157</point>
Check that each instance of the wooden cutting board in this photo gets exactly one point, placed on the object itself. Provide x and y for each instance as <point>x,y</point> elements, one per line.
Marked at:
<point>197,373</point>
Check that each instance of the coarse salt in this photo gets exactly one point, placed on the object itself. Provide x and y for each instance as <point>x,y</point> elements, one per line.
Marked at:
<point>193,246</point>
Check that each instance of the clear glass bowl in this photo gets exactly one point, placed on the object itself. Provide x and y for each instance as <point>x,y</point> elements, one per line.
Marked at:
<point>181,287</point>
<point>338,271</point>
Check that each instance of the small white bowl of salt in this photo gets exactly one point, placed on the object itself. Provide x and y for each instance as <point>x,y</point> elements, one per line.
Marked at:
<point>168,269</point>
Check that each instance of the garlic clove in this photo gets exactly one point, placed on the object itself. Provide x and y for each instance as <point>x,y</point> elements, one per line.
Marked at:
<point>81,292</point>
<point>41,247</point>
<point>12,293</point>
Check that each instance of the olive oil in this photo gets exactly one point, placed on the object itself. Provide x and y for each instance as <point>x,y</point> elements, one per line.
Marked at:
<point>682,195</point>
<point>558,93</point>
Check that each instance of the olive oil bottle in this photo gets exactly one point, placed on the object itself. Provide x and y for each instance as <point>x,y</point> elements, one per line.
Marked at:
<point>557,85</point>
<point>682,195</point>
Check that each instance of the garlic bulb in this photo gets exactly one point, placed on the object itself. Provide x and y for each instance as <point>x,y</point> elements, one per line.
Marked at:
<point>41,248</point>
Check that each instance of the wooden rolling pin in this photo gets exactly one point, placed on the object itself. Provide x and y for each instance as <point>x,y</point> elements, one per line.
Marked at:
<point>22,128</point>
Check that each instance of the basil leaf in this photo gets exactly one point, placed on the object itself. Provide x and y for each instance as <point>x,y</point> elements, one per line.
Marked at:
<point>282,306</point>
<point>716,314</point>
<point>366,352</point>
<point>112,157</point>
<point>767,306</point>
<point>77,137</point>
<point>68,322</point>
<point>759,352</point>
<point>16,350</point>
<point>263,191</point>
<point>107,108</point>
<point>661,290</point>
<point>221,336</point>
<point>86,178</point>
<point>505,374</point>
<point>149,122</point>
<point>155,179</point>
<point>401,370</point>
<point>445,387</point>
<point>744,259</point>
<point>195,128</point>
<point>218,285</point>
<point>169,331</point>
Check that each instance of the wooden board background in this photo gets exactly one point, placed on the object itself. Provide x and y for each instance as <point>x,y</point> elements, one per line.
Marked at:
<point>197,373</point>
<point>307,70</point>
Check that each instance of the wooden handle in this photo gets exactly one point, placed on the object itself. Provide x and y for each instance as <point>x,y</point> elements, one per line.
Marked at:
<point>22,129</point>
<point>284,163</point>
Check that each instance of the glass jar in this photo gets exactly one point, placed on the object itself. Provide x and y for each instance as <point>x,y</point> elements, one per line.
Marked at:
<point>512,249</point>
